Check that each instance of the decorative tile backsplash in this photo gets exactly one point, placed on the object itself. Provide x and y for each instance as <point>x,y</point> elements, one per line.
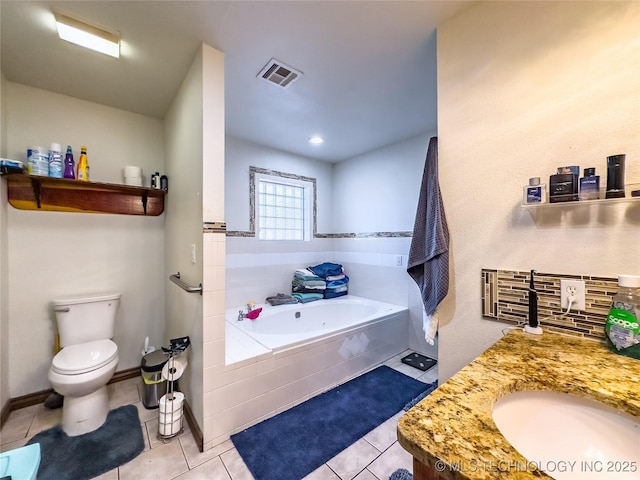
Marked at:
<point>505,297</point>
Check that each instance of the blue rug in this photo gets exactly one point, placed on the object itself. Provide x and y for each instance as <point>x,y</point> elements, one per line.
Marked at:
<point>401,474</point>
<point>294,443</point>
<point>430,388</point>
<point>86,456</point>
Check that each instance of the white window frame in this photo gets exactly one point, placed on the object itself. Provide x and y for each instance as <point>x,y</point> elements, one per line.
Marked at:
<point>307,206</point>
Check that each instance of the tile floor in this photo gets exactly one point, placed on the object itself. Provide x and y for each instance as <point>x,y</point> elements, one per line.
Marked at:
<point>374,457</point>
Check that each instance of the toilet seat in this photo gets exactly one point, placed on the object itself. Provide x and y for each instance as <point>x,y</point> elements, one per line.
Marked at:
<point>84,357</point>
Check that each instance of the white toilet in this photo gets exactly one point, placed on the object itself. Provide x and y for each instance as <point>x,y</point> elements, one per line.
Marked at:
<point>87,361</point>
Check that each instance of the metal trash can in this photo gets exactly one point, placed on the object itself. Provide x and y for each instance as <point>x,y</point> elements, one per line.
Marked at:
<point>153,386</point>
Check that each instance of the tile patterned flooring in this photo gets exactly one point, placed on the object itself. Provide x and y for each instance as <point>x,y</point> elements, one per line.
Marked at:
<point>374,457</point>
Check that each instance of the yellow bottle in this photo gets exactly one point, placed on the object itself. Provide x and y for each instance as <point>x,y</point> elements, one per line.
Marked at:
<point>83,165</point>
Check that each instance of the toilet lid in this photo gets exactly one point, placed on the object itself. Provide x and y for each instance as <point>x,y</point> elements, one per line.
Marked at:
<point>85,357</point>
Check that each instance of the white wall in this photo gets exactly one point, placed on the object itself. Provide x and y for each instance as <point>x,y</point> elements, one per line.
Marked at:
<point>57,254</point>
<point>3,113</point>
<point>213,142</point>
<point>4,296</point>
<point>525,87</point>
<point>257,269</point>
<point>240,155</point>
<point>379,190</point>
<point>194,136</point>
<point>184,150</point>
<point>4,261</point>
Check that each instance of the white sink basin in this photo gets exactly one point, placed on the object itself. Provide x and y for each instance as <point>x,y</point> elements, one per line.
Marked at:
<point>570,437</point>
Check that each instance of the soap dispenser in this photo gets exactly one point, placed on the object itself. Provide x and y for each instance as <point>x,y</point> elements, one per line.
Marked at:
<point>533,326</point>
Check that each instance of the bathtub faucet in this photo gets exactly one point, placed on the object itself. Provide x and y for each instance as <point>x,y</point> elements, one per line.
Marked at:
<point>242,315</point>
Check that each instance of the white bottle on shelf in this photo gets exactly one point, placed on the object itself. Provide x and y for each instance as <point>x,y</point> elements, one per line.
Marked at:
<point>55,160</point>
<point>535,192</point>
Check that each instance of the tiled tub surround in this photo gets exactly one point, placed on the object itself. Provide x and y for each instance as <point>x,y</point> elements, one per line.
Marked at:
<point>505,297</point>
<point>376,267</point>
<point>455,425</point>
<point>256,276</point>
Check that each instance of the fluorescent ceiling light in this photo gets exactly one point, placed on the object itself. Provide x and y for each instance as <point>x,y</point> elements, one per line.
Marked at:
<point>316,140</point>
<point>88,36</point>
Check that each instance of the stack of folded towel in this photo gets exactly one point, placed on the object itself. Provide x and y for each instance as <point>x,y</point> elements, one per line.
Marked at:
<point>307,286</point>
<point>336,281</point>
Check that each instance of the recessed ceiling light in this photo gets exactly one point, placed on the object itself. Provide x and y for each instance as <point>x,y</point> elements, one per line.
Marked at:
<point>89,36</point>
<point>316,140</point>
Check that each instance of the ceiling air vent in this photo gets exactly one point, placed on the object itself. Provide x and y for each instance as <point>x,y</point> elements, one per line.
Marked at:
<point>278,73</point>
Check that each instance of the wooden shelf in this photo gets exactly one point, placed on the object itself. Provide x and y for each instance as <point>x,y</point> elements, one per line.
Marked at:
<point>33,192</point>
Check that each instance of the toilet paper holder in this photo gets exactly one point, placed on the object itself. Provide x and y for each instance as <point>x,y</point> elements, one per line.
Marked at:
<point>172,403</point>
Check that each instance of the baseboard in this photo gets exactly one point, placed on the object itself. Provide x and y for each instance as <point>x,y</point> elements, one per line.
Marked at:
<point>39,397</point>
<point>125,375</point>
<point>4,413</point>
<point>193,425</point>
<point>21,402</point>
<point>30,399</point>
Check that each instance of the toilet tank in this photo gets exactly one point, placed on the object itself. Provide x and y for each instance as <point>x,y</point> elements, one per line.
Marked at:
<point>86,318</point>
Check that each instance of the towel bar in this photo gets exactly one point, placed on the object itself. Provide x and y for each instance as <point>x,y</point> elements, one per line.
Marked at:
<point>175,278</point>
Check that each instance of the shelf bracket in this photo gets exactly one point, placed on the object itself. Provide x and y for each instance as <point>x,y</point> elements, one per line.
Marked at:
<point>35,185</point>
<point>145,196</point>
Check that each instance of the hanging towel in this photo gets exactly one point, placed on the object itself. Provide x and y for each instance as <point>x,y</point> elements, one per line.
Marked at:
<point>428,262</point>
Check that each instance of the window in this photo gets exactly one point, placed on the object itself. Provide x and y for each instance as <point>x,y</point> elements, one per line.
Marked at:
<point>284,208</point>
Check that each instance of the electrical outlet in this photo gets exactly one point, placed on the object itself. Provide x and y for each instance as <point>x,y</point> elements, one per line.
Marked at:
<point>399,261</point>
<point>575,289</point>
<point>193,253</point>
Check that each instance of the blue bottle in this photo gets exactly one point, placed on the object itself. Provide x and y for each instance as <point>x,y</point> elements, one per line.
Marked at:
<point>589,185</point>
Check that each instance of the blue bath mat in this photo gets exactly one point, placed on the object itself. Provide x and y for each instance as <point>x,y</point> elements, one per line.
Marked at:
<point>294,443</point>
<point>401,474</point>
<point>86,456</point>
<point>412,403</point>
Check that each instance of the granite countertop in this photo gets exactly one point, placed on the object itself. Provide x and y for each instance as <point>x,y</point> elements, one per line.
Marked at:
<point>455,425</point>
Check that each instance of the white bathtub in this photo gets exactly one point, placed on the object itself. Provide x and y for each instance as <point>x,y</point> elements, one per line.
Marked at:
<point>287,326</point>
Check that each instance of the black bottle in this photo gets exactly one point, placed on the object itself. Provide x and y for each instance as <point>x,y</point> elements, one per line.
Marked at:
<point>563,187</point>
<point>615,176</point>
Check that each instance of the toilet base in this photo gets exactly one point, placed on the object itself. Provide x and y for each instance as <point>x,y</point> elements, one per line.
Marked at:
<point>85,414</point>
